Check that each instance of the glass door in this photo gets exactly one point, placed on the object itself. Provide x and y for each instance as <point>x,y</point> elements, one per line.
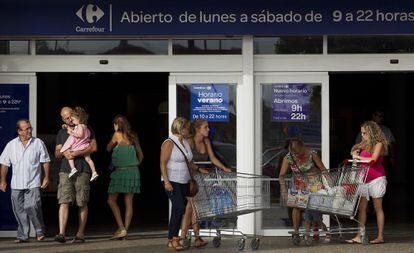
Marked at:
<point>212,98</point>
<point>17,101</point>
<point>291,105</point>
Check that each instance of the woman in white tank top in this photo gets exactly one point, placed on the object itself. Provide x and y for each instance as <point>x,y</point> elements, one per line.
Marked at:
<point>175,176</point>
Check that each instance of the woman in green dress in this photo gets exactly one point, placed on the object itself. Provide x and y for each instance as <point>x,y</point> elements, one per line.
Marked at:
<point>125,179</point>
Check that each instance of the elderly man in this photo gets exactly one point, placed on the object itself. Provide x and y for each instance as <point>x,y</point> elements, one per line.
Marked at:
<point>25,154</point>
<point>74,189</point>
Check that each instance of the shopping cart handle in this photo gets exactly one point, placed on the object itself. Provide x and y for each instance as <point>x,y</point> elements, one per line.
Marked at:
<point>357,160</point>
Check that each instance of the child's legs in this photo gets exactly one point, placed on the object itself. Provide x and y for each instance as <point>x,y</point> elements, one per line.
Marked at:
<point>71,163</point>
<point>307,216</point>
<point>88,159</point>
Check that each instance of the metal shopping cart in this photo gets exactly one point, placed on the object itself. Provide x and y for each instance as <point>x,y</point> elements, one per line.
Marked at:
<point>336,192</point>
<point>222,197</point>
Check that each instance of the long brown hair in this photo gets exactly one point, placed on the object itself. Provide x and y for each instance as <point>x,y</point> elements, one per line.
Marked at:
<point>125,128</point>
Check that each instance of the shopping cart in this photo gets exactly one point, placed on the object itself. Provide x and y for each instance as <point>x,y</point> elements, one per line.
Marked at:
<point>336,192</point>
<point>222,197</point>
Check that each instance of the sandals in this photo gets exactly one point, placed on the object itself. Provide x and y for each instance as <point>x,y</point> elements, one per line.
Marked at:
<point>40,238</point>
<point>377,241</point>
<point>60,238</point>
<point>199,242</point>
<point>120,234</point>
<point>176,244</point>
<point>353,241</point>
<point>78,239</point>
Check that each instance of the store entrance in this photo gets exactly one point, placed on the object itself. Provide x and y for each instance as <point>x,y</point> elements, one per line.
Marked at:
<point>142,97</point>
<point>353,98</point>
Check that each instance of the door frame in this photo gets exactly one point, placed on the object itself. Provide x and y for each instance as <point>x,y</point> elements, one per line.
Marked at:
<point>289,77</point>
<point>244,122</point>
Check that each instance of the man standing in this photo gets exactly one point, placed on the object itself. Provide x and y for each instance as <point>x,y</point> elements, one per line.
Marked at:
<point>74,190</point>
<point>25,154</point>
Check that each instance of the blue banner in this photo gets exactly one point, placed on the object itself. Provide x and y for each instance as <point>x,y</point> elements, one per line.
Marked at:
<point>291,102</point>
<point>210,102</point>
<point>14,105</point>
<point>83,18</point>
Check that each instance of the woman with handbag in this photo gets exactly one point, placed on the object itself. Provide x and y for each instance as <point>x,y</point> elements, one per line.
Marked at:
<point>175,171</point>
<point>202,150</point>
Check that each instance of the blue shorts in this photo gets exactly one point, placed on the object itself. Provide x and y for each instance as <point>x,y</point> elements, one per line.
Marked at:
<point>309,215</point>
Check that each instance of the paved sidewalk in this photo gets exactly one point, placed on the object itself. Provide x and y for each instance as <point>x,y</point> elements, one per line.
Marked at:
<point>402,241</point>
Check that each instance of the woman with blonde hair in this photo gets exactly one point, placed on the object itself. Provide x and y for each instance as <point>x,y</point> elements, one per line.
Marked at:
<point>372,149</point>
<point>175,152</point>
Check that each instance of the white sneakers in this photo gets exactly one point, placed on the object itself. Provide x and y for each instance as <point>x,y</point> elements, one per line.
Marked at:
<point>94,176</point>
<point>73,172</point>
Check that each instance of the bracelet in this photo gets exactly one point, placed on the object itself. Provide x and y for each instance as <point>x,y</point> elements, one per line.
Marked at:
<point>198,169</point>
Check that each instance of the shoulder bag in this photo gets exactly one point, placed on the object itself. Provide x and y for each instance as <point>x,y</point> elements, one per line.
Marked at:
<point>192,184</point>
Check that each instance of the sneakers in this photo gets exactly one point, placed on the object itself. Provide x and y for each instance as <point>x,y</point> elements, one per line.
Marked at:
<point>73,172</point>
<point>94,176</point>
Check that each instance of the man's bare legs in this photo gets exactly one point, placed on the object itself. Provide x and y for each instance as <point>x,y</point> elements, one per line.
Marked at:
<point>63,217</point>
<point>83,218</point>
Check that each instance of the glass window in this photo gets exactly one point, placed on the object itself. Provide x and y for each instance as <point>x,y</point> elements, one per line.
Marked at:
<point>275,137</point>
<point>211,46</point>
<point>14,47</point>
<point>102,47</point>
<point>288,45</point>
<point>222,134</point>
<point>370,44</point>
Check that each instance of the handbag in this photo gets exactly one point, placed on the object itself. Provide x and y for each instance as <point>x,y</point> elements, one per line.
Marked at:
<point>192,188</point>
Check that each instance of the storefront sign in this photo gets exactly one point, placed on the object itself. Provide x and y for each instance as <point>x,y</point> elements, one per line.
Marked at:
<point>14,105</point>
<point>290,102</point>
<point>212,17</point>
<point>210,102</point>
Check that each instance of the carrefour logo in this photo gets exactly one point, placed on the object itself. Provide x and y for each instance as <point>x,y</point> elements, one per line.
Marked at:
<point>91,13</point>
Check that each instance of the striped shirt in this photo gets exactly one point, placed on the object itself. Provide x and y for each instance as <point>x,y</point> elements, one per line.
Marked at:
<point>25,162</point>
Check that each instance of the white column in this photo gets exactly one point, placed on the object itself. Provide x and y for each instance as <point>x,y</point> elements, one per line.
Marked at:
<point>245,126</point>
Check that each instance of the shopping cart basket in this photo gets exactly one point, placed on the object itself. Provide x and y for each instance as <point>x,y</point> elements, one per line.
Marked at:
<point>222,197</point>
<point>336,192</point>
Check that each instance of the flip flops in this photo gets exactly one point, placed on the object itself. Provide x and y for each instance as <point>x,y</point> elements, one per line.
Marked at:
<point>78,240</point>
<point>352,241</point>
<point>376,241</point>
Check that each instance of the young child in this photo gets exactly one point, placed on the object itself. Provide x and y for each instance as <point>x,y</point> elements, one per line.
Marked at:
<point>78,140</point>
<point>314,219</point>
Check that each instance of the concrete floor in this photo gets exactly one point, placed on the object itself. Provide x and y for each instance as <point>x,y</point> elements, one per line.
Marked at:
<point>399,237</point>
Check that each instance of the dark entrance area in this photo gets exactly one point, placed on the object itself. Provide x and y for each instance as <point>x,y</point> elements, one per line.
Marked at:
<point>142,97</point>
<point>353,98</point>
